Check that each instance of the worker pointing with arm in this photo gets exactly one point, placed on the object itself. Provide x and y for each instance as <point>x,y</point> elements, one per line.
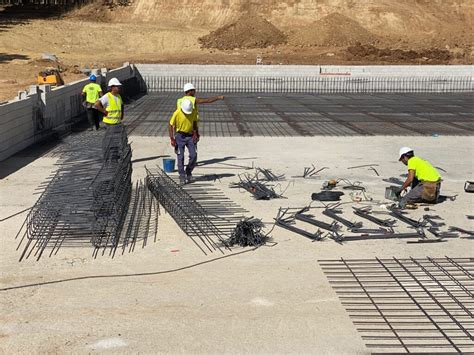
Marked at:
<point>183,133</point>
<point>91,93</point>
<point>190,94</point>
<point>424,179</point>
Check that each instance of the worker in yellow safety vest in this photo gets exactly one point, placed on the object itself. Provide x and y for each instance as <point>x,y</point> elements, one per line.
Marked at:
<point>190,94</point>
<point>90,94</point>
<point>111,104</point>
<point>424,179</point>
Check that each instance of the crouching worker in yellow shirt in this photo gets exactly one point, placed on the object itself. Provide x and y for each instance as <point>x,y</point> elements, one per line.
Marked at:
<point>424,179</point>
<point>183,131</point>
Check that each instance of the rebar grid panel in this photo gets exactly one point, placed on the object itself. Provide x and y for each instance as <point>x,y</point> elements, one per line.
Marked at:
<point>308,84</point>
<point>222,211</point>
<point>276,115</point>
<point>86,200</point>
<point>407,304</point>
<point>190,215</point>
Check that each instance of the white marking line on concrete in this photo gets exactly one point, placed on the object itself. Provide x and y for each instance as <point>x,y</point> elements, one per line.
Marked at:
<point>108,343</point>
<point>259,301</point>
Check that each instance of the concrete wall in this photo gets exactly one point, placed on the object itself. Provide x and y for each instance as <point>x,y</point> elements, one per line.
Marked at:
<point>180,70</point>
<point>307,79</point>
<point>16,126</point>
<point>44,110</point>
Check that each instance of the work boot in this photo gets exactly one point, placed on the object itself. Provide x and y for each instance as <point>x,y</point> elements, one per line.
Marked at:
<point>182,180</point>
<point>190,178</point>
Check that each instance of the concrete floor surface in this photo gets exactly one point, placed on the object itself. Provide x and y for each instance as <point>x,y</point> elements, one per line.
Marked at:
<point>271,300</point>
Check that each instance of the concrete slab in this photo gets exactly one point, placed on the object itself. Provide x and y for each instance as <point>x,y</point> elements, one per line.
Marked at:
<point>169,297</point>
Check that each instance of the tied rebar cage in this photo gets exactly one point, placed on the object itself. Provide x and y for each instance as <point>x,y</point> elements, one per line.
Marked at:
<point>408,305</point>
<point>85,202</point>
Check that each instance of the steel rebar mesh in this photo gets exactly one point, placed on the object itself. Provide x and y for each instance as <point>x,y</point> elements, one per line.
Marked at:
<point>188,213</point>
<point>86,200</point>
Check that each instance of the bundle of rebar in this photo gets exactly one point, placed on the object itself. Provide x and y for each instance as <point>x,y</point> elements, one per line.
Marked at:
<point>248,232</point>
<point>258,189</point>
<point>268,175</point>
<point>86,199</point>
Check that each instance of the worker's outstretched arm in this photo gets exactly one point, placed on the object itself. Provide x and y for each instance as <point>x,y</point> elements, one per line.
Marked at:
<point>209,100</point>
<point>409,180</point>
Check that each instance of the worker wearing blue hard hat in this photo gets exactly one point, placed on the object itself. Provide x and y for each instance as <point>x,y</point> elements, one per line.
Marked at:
<point>91,93</point>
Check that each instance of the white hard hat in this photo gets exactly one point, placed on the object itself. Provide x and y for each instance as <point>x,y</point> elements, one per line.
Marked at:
<point>114,82</point>
<point>188,87</point>
<point>187,106</point>
<point>403,151</point>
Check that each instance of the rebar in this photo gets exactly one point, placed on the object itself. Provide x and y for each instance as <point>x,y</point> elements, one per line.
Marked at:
<point>86,199</point>
<point>411,305</point>
<point>190,216</point>
<point>259,190</point>
<point>334,214</point>
<point>365,213</point>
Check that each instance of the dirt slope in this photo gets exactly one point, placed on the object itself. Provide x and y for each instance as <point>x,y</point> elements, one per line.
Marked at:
<point>249,31</point>
<point>333,30</point>
<point>165,31</point>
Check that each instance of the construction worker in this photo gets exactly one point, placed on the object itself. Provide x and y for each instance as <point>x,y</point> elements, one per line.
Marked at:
<point>424,179</point>
<point>190,94</point>
<point>184,132</point>
<point>111,104</point>
<point>90,94</point>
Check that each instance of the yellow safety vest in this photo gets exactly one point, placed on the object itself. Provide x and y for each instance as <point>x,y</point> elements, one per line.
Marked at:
<point>114,109</point>
<point>195,113</point>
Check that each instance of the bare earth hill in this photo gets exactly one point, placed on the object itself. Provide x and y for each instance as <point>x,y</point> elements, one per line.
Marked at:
<point>235,32</point>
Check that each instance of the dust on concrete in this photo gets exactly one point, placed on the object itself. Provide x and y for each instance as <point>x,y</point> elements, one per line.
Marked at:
<point>249,31</point>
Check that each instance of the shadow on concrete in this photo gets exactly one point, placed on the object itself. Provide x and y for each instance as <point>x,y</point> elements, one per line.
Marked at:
<point>6,57</point>
<point>212,177</point>
<point>26,156</point>
<point>215,161</point>
<point>149,158</point>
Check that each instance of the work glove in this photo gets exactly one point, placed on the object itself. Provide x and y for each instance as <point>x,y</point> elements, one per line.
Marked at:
<point>196,137</point>
<point>399,192</point>
<point>173,142</point>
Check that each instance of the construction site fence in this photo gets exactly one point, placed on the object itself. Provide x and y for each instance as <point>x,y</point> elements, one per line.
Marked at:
<point>322,85</point>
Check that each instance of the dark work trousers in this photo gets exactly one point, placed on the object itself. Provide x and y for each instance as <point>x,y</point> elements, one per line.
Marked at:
<point>417,193</point>
<point>185,140</point>
<point>93,118</point>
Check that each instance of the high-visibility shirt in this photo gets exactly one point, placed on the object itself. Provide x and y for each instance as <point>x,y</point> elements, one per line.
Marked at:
<point>92,91</point>
<point>114,109</point>
<point>195,112</point>
<point>424,171</point>
<point>181,122</point>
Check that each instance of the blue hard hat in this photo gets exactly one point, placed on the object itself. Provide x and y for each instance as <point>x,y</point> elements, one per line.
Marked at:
<point>92,77</point>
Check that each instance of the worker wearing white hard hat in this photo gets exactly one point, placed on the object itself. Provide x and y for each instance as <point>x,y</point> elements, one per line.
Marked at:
<point>111,104</point>
<point>424,179</point>
<point>183,132</point>
<point>190,94</point>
